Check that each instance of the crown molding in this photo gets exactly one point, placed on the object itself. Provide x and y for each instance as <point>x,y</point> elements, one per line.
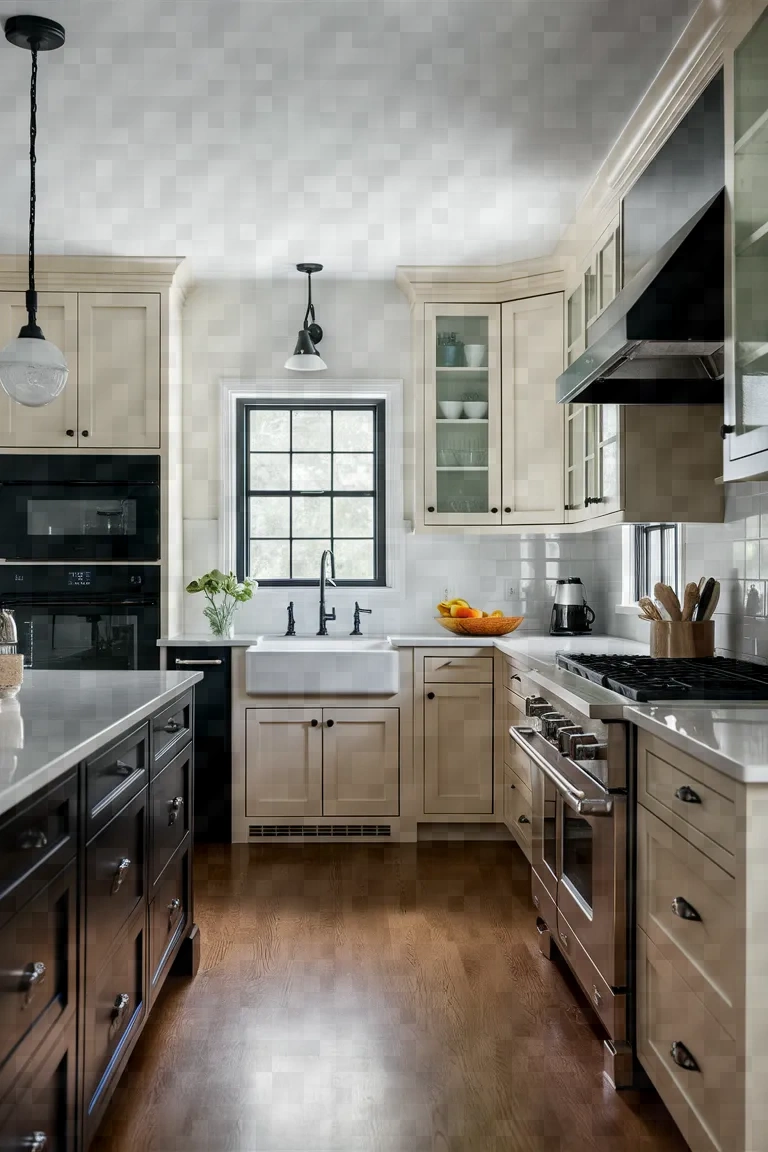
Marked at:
<point>481,284</point>
<point>91,273</point>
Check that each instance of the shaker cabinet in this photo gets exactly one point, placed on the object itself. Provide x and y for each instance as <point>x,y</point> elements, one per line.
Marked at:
<point>458,748</point>
<point>112,344</point>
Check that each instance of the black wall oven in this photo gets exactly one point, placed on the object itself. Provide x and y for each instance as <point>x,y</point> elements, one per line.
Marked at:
<point>80,508</point>
<point>104,617</point>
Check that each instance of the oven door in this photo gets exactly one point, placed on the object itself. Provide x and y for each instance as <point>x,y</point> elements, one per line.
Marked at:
<point>582,827</point>
<point>80,521</point>
<point>90,633</point>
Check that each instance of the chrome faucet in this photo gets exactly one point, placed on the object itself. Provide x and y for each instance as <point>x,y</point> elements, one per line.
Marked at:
<point>326,616</point>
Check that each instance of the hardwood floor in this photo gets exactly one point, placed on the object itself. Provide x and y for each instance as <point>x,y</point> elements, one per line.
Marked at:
<point>361,998</point>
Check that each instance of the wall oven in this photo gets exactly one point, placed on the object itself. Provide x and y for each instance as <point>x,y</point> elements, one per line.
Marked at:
<point>581,858</point>
<point>105,617</point>
<point>80,508</point>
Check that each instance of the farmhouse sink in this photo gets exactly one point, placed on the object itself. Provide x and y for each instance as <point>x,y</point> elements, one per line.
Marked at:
<point>321,666</point>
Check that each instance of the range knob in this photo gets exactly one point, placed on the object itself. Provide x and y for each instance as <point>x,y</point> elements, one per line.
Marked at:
<point>564,737</point>
<point>550,722</point>
<point>536,705</point>
<point>587,747</point>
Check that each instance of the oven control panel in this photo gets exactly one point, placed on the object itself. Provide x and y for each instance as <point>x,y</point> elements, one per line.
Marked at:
<point>80,578</point>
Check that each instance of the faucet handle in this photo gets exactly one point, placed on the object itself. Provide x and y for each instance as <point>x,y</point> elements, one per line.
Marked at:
<point>331,581</point>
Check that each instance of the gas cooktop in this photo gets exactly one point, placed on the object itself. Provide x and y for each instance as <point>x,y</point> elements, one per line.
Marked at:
<point>646,679</point>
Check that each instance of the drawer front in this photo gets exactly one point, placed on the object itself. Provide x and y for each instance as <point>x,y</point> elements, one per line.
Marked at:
<point>458,670</point>
<point>169,917</point>
<point>114,776</point>
<point>36,842</point>
<point>114,1008</point>
<point>171,807</point>
<point>706,1101</point>
<point>697,802</point>
<point>171,730</point>
<point>609,1006</point>
<point>687,905</point>
<point>514,757</point>
<point>513,682</point>
<point>37,969</point>
<point>517,810</point>
<point>39,1111</point>
<point>543,903</point>
<point>115,883</point>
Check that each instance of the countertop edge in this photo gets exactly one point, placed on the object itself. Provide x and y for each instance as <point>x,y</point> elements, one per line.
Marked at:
<point>50,773</point>
<point>742,773</point>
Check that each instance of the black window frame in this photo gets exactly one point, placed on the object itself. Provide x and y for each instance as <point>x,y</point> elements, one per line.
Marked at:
<point>670,565</point>
<point>378,494</point>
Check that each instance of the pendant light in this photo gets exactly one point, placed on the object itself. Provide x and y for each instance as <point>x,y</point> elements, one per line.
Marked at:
<point>305,356</point>
<point>33,371</point>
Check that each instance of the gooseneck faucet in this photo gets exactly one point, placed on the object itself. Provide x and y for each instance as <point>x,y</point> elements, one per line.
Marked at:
<point>326,616</point>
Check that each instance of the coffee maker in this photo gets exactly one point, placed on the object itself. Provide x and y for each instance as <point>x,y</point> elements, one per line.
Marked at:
<point>571,615</point>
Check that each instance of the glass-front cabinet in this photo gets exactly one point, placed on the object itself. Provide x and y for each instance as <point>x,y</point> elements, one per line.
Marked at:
<point>462,414</point>
<point>746,369</point>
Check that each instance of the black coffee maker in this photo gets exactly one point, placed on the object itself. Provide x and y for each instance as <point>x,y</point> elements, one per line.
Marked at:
<point>571,615</point>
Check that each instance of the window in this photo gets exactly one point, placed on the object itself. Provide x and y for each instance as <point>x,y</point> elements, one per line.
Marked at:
<point>656,557</point>
<point>310,476</point>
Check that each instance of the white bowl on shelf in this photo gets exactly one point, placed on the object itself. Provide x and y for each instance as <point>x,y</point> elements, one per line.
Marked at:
<point>451,409</point>
<point>475,409</point>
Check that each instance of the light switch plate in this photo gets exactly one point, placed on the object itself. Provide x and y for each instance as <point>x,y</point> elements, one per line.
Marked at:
<point>510,590</point>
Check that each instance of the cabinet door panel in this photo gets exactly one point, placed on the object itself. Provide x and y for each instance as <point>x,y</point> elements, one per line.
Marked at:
<point>284,762</point>
<point>361,761</point>
<point>46,427</point>
<point>119,355</point>
<point>458,748</point>
<point>532,420</point>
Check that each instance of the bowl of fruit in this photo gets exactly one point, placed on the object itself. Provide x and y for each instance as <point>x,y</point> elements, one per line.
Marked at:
<point>458,617</point>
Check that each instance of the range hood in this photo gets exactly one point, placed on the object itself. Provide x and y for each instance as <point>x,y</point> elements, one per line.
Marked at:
<point>661,340</point>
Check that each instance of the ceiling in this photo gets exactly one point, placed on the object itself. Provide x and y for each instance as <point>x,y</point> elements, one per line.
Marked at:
<point>250,134</point>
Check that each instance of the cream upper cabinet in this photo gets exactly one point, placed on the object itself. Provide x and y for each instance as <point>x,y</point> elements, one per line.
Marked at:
<point>361,761</point>
<point>55,424</point>
<point>119,369</point>
<point>531,421</point>
<point>458,748</point>
<point>283,762</point>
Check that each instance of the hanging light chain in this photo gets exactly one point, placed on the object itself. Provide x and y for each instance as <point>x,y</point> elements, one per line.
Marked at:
<point>32,164</point>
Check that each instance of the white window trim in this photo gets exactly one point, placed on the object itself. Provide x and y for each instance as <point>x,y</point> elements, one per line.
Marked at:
<point>629,606</point>
<point>390,391</point>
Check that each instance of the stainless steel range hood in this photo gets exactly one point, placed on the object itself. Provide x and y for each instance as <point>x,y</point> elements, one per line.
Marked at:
<point>661,340</point>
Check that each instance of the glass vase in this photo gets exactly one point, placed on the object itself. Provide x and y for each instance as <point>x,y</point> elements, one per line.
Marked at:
<point>221,617</point>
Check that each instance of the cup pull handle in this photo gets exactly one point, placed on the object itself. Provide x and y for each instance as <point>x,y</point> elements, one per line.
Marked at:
<point>687,795</point>
<point>33,838</point>
<point>684,910</point>
<point>683,1058</point>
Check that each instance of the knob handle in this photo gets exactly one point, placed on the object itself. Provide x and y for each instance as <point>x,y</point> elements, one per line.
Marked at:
<point>120,874</point>
<point>564,939</point>
<point>430,508</point>
<point>507,510</point>
<point>34,976</point>
<point>536,705</point>
<point>687,795</point>
<point>35,1142</point>
<point>726,429</point>
<point>682,1057</point>
<point>430,695</point>
<point>84,432</point>
<point>174,908</point>
<point>32,838</point>
<point>171,727</point>
<point>523,820</point>
<point>566,734</point>
<point>174,807</point>
<point>684,910</point>
<point>494,510</point>
<point>119,1009</point>
<point>330,723</point>
<point>70,431</point>
<point>314,723</point>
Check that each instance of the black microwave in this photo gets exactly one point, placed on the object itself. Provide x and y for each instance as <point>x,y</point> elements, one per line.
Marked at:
<point>80,508</point>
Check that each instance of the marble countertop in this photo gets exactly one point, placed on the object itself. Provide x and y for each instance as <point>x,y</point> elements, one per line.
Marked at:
<point>731,739</point>
<point>60,718</point>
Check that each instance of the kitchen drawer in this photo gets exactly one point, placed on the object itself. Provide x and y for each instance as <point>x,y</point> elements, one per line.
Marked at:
<point>543,903</point>
<point>113,777</point>
<point>115,879</point>
<point>608,1005</point>
<point>41,1103</point>
<point>706,1103</point>
<point>514,757</point>
<point>36,841</point>
<point>697,802</point>
<point>517,810</point>
<point>171,811</point>
<point>171,730</point>
<point>38,971</point>
<point>708,953</point>
<point>115,1005</point>
<point>168,917</point>
<point>513,682</point>
<point>458,670</point>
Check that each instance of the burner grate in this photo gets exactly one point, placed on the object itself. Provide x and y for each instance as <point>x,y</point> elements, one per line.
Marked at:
<point>646,678</point>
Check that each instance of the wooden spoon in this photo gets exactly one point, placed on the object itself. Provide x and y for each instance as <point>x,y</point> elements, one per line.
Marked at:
<point>649,609</point>
<point>666,596</point>
<point>690,600</point>
<point>710,609</point>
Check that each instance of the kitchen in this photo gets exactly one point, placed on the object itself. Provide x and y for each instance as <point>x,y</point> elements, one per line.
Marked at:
<point>418,830</point>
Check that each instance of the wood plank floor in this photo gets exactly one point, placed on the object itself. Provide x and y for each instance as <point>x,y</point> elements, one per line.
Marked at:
<point>359,998</point>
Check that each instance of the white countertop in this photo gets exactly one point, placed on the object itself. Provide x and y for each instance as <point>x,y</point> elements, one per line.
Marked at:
<point>60,718</point>
<point>731,739</point>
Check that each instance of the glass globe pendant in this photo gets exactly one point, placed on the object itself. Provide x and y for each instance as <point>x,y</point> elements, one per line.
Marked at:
<point>33,371</point>
<point>305,357</point>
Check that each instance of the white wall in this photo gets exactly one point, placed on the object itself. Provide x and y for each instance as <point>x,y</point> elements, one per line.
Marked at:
<point>235,329</point>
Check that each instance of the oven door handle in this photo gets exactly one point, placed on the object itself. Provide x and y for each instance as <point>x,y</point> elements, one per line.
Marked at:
<point>584,805</point>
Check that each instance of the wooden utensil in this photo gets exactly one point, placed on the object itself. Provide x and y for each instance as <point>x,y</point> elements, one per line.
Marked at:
<point>662,611</point>
<point>649,609</point>
<point>704,599</point>
<point>690,600</point>
<point>666,596</point>
<point>713,600</point>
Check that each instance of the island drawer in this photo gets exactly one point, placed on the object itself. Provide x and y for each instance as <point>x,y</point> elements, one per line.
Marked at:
<point>169,916</point>
<point>114,776</point>
<point>37,955</point>
<point>36,842</point>
<point>114,1009</point>
<point>171,729</point>
<point>43,1100</point>
<point>115,879</point>
<point>171,810</point>
<point>458,670</point>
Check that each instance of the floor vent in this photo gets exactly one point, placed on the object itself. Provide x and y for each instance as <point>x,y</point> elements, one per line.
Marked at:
<point>312,831</point>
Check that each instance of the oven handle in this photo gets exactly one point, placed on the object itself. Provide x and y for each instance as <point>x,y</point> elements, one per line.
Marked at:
<point>571,796</point>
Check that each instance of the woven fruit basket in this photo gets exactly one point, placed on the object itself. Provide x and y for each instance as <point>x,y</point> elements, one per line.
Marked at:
<point>481,626</point>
